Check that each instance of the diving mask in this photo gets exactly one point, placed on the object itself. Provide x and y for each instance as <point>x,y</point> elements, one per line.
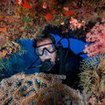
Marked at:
<point>45,49</point>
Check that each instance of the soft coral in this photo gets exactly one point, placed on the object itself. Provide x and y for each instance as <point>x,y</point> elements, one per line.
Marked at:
<point>97,37</point>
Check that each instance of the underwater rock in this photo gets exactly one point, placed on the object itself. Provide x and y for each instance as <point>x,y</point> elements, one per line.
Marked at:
<point>38,89</point>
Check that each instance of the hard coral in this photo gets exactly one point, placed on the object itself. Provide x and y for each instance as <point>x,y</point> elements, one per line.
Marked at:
<point>37,89</point>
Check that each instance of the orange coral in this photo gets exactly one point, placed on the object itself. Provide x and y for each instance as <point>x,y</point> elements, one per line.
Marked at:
<point>69,13</point>
<point>3,29</point>
<point>4,53</point>
<point>35,4</point>
<point>48,17</point>
<point>53,11</point>
<point>26,4</point>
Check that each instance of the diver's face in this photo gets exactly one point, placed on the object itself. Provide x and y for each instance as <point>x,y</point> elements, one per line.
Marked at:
<point>46,55</point>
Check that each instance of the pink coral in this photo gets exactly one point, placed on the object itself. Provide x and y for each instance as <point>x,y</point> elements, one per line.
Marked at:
<point>19,2</point>
<point>74,24</point>
<point>97,37</point>
<point>44,5</point>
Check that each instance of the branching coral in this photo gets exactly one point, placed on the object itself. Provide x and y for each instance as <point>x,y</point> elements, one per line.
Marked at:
<point>74,24</point>
<point>93,80</point>
<point>97,36</point>
<point>37,89</point>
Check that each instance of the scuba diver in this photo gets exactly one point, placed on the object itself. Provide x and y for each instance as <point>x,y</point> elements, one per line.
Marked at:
<point>57,60</point>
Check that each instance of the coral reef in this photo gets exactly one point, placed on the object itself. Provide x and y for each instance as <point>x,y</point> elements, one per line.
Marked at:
<point>97,37</point>
<point>27,18</point>
<point>37,89</point>
<point>93,80</point>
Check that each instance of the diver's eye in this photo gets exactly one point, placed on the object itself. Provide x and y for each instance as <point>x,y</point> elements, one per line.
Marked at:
<point>40,51</point>
<point>50,49</point>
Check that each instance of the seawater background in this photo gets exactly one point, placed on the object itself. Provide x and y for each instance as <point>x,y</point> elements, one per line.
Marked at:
<point>20,63</point>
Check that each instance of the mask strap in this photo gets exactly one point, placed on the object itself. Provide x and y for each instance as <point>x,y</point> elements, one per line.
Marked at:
<point>44,44</point>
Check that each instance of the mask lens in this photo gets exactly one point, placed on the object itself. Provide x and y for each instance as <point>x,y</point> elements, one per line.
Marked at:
<point>38,52</point>
<point>49,47</point>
